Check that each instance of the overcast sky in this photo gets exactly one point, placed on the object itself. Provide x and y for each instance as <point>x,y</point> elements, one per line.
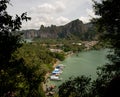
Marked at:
<point>48,12</point>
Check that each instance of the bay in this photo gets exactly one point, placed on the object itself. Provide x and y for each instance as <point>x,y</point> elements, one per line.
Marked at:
<point>84,63</point>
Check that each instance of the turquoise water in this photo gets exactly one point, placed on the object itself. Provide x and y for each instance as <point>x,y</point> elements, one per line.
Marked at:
<point>85,63</point>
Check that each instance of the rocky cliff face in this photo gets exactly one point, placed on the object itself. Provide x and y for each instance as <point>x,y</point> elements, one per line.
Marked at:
<point>75,28</point>
<point>31,33</point>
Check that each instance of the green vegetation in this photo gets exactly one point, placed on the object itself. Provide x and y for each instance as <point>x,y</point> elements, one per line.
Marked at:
<point>34,53</point>
<point>75,47</point>
<point>22,66</point>
<point>59,56</point>
<point>101,45</point>
<point>75,87</point>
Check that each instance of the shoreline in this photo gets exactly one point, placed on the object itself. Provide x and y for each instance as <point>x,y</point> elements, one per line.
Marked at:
<point>48,73</point>
<point>56,63</point>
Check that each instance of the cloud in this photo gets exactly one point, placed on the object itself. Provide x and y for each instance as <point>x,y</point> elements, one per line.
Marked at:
<point>91,13</point>
<point>57,12</point>
<point>84,19</point>
<point>35,24</point>
<point>90,1</point>
<point>59,6</point>
<point>44,8</point>
<point>62,20</point>
<point>46,21</point>
<point>48,8</point>
<point>37,21</point>
<point>46,14</point>
<point>46,18</point>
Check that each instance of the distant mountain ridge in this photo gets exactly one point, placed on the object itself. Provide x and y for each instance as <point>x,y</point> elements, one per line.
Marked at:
<point>74,29</point>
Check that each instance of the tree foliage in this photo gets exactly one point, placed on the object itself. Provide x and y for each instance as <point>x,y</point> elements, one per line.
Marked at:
<point>109,25</point>
<point>75,87</point>
<point>17,78</point>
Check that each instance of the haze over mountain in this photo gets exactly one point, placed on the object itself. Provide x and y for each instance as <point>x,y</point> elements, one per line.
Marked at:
<point>74,29</point>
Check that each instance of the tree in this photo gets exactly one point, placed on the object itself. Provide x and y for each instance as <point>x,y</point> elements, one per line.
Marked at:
<point>108,24</point>
<point>75,87</point>
<point>16,78</point>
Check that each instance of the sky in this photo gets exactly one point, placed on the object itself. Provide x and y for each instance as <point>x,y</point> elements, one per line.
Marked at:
<point>51,12</point>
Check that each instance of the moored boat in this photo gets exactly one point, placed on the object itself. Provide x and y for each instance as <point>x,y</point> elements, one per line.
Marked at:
<point>53,77</point>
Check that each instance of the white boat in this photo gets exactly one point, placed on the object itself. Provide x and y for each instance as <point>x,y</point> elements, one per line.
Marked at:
<point>61,65</point>
<point>53,77</point>
<point>57,71</point>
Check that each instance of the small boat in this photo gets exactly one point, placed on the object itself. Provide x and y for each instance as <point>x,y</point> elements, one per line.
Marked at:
<point>53,77</point>
<point>61,65</point>
<point>57,71</point>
